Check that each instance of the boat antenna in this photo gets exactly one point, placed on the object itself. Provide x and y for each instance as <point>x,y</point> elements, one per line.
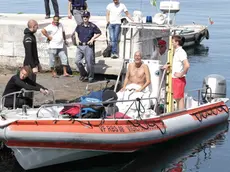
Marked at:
<point>169,14</point>
<point>141,5</point>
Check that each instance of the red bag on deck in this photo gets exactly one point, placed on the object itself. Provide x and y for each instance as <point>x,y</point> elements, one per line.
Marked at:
<point>71,110</point>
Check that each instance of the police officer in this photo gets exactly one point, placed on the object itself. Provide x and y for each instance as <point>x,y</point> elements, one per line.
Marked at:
<point>76,8</point>
<point>86,33</point>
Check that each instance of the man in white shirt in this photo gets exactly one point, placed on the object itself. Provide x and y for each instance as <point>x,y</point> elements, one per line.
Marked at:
<point>113,17</point>
<point>180,68</point>
<point>55,34</point>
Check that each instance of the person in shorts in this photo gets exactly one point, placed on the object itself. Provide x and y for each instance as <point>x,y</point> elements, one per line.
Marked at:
<point>180,68</point>
<point>56,38</point>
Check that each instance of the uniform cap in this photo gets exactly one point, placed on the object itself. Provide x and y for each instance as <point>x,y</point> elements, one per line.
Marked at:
<point>86,14</point>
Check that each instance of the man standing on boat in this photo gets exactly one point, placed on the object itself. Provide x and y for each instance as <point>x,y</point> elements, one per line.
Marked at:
<point>18,82</point>
<point>86,34</point>
<point>76,8</point>
<point>113,17</point>
<point>30,45</point>
<point>56,37</point>
<point>180,68</point>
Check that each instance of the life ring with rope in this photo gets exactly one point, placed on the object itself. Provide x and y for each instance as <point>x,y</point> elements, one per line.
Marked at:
<point>206,33</point>
<point>198,37</point>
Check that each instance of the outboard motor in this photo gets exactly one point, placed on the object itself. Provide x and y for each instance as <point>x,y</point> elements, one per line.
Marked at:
<point>214,86</point>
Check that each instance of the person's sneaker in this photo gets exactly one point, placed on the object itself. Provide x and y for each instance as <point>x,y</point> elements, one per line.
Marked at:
<point>83,78</point>
<point>114,56</point>
<point>47,17</point>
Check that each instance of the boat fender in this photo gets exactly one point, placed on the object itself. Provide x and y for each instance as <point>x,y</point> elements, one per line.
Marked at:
<point>198,37</point>
<point>183,40</point>
<point>206,33</point>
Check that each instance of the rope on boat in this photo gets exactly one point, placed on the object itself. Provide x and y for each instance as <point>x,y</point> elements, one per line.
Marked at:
<point>205,114</point>
<point>138,108</point>
<point>147,125</point>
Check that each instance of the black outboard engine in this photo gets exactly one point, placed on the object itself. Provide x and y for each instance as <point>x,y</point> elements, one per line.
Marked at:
<point>214,86</point>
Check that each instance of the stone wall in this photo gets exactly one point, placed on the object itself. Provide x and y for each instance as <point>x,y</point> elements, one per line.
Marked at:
<point>12,33</point>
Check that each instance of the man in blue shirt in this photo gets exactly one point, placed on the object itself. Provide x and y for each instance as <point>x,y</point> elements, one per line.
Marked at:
<point>86,33</point>
<point>76,8</point>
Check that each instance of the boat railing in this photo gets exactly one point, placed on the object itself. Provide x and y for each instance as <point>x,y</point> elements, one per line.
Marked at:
<point>102,103</point>
<point>22,91</point>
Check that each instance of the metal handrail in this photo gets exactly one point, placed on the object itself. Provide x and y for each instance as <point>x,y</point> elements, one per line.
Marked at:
<point>91,103</point>
<point>22,91</point>
<point>119,75</point>
<point>3,98</point>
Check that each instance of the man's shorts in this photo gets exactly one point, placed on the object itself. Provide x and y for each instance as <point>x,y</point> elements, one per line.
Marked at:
<point>54,52</point>
<point>178,85</point>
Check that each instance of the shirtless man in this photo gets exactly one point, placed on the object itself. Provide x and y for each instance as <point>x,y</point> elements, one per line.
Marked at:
<point>138,73</point>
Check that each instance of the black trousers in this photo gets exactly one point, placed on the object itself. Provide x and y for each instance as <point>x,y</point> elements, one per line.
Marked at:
<point>9,102</point>
<point>55,6</point>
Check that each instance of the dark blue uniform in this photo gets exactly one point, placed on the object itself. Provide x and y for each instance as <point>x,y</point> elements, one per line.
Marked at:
<point>78,7</point>
<point>85,33</point>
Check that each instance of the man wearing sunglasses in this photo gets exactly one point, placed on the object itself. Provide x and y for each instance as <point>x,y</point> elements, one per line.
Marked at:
<point>86,33</point>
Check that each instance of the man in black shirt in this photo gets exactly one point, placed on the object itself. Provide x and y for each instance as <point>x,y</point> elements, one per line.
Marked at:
<point>18,82</point>
<point>30,45</point>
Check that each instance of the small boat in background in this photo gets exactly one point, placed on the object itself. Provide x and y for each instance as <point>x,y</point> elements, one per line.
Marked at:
<point>193,33</point>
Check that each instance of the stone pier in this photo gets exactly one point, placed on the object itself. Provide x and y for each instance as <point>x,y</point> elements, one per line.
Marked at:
<point>12,51</point>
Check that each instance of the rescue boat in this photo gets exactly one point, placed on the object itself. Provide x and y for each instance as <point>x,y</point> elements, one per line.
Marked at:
<point>42,137</point>
<point>97,124</point>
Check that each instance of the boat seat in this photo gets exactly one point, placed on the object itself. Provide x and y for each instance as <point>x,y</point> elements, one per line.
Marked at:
<point>190,102</point>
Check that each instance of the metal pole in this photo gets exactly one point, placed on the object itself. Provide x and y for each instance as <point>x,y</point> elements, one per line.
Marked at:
<point>131,43</point>
<point>118,77</point>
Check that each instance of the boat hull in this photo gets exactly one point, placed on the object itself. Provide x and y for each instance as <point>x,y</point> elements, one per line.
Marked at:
<point>31,158</point>
<point>193,34</point>
<point>41,142</point>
